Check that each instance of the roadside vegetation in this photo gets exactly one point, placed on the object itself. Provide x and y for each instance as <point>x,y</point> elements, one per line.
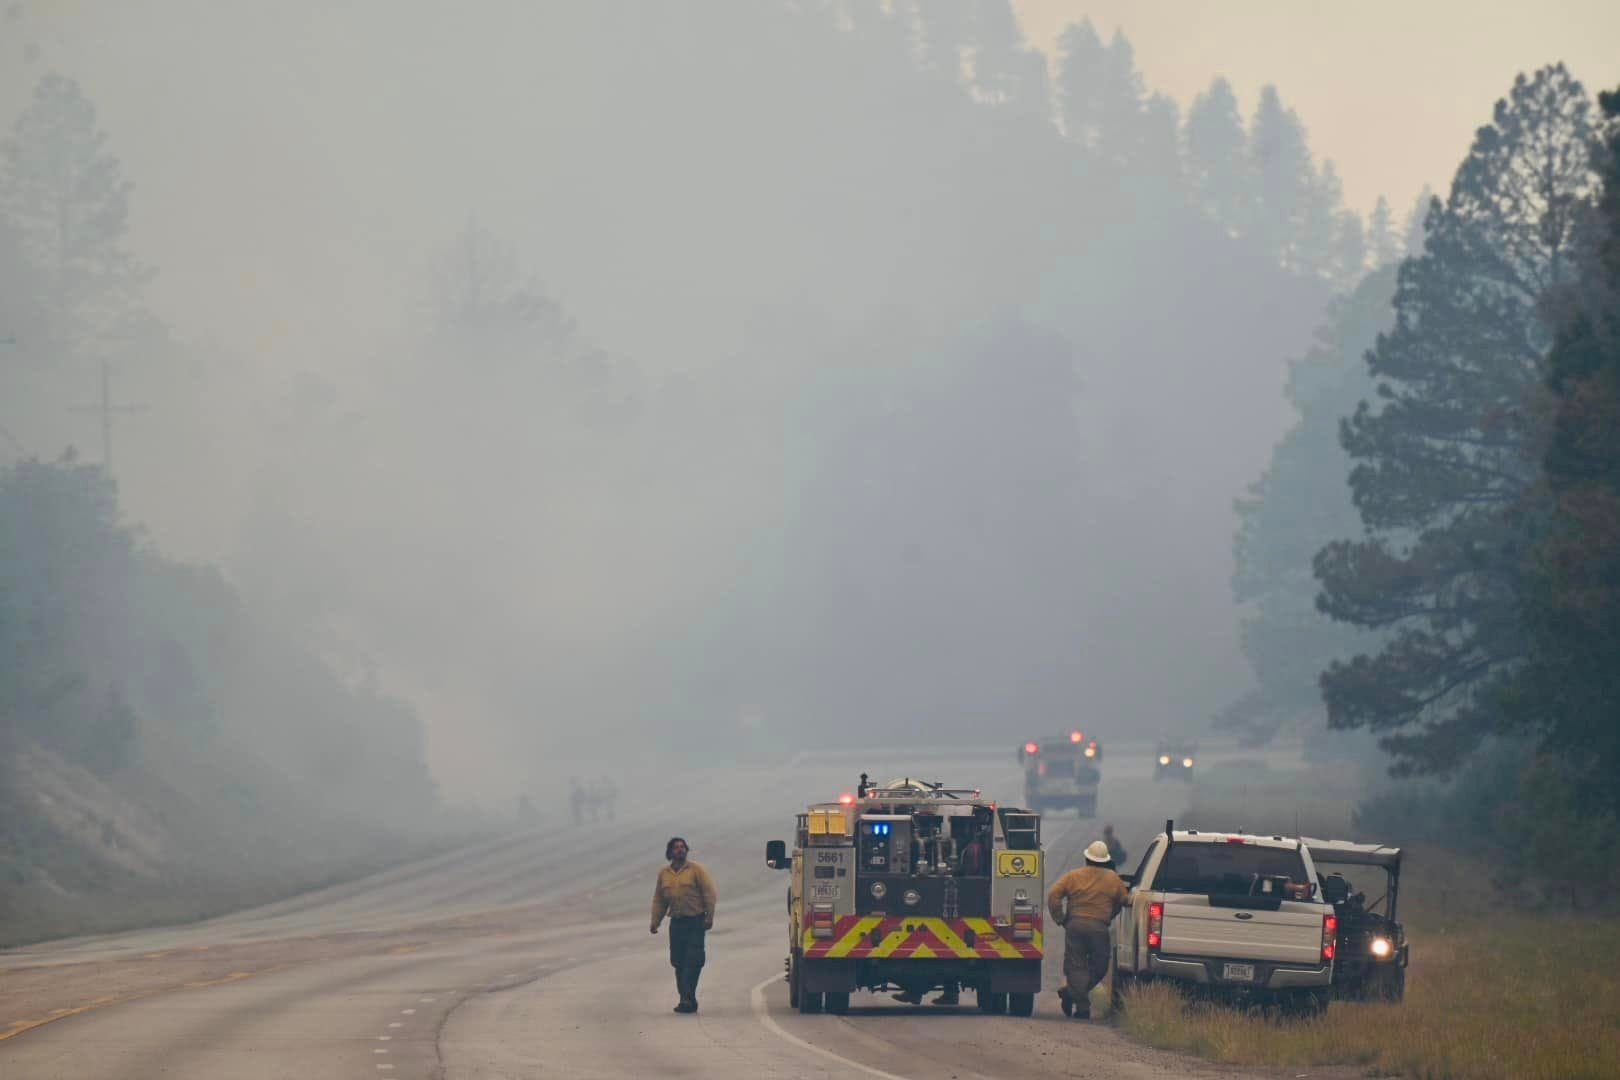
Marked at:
<point>1475,635</point>
<point>1429,562</point>
<point>1488,995</point>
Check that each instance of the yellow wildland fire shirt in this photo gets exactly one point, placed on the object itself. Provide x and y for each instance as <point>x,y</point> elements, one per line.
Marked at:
<point>1093,892</point>
<point>683,892</point>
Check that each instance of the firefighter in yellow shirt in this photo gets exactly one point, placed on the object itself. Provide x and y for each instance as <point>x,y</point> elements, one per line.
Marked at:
<point>1084,901</point>
<point>685,892</point>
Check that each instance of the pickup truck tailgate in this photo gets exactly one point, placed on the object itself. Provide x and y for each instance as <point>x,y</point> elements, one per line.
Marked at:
<point>1291,934</point>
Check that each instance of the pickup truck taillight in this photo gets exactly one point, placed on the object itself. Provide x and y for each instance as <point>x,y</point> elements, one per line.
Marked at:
<point>1330,934</point>
<point>1155,925</point>
<point>821,920</point>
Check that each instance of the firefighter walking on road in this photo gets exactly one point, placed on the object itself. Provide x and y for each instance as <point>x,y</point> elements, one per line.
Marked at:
<point>1084,901</point>
<point>685,892</point>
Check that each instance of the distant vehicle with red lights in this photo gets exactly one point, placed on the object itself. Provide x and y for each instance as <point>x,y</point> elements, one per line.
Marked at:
<point>1062,772</point>
<point>1230,915</point>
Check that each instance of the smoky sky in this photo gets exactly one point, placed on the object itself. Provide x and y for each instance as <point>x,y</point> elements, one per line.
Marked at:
<point>804,392</point>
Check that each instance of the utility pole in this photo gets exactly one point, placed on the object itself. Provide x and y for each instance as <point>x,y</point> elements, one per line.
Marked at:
<point>9,342</point>
<point>107,410</point>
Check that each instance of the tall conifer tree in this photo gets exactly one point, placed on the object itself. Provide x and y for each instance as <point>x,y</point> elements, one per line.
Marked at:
<point>1445,480</point>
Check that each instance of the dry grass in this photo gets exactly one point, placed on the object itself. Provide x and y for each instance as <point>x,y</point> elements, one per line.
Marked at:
<point>1513,997</point>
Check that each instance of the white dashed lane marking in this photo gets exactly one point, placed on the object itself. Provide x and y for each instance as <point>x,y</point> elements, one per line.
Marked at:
<point>407,1012</point>
<point>395,1024</point>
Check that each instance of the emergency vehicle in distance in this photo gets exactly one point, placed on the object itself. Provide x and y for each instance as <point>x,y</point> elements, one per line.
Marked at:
<point>1062,773</point>
<point>913,886</point>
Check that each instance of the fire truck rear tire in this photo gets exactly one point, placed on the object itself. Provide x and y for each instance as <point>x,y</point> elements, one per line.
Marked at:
<point>808,1002</point>
<point>992,1002</point>
<point>1020,1004</point>
<point>837,1002</point>
<point>793,982</point>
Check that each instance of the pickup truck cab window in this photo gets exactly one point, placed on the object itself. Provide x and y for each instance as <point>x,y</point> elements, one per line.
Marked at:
<point>1147,857</point>
<point>1226,868</point>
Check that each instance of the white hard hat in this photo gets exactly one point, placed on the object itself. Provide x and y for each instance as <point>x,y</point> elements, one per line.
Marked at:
<point>1097,852</point>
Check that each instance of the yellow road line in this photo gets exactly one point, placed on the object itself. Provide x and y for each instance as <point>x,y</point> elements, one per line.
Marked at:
<point>17,1027</point>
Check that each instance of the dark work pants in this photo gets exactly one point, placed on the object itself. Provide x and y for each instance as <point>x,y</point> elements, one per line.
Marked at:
<point>1085,956</point>
<point>686,933</point>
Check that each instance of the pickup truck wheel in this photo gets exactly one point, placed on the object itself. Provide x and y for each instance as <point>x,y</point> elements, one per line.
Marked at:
<point>992,1002</point>
<point>837,1002</point>
<point>1122,982</point>
<point>1020,1004</point>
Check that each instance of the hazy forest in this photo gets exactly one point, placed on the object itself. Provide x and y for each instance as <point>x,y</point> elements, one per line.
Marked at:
<point>923,382</point>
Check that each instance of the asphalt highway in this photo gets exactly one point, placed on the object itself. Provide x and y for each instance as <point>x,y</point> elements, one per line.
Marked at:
<point>529,956</point>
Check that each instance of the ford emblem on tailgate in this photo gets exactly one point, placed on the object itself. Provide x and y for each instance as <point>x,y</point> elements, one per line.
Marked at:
<point>1243,915</point>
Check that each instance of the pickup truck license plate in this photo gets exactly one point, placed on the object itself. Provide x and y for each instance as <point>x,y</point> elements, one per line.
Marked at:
<point>1238,972</point>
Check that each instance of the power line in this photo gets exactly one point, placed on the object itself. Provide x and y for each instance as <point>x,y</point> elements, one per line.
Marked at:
<point>107,410</point>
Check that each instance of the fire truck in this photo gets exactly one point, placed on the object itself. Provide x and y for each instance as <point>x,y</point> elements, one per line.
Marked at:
<point>1062,772</point>
<point>913,886</point>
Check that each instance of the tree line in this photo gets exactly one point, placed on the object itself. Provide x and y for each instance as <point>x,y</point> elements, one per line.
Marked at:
<point>1469,577</point>
<point>197,754</point>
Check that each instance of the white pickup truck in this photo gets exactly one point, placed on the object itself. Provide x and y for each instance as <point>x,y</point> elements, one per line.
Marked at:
<point>1231,913</point>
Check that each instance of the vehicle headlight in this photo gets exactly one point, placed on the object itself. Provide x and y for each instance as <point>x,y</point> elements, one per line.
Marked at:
<point>911,897</point>
<point>1164,759</point>
<point>879,890</point>
<point>1091,751</point>
<point>1382,947</point>
<point>1186,763</point>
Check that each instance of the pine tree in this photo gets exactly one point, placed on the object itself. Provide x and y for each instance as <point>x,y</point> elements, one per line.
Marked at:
<point>1006,71</point>
<point>1217,157</point>
<point>1349,258</point>
<point>1316,247</point>
<point>1105,106</point>
<point>1383,244</point>
<point>1285,178</point>
<point>1080,77</point>
<point>1122,99</point>
<point>1416,222</point>
<point>1570,688</point>
<point>67,199</point>
<point>1446,475</point>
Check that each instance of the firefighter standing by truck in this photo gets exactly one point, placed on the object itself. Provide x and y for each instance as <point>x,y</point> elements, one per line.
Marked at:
<point>1084,901</point>
<point>686,893</point>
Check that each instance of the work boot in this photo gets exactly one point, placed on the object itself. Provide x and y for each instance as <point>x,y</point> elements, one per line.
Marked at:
<point>687,1005</point>
<point>1065,1001</point>
<point>948,997</point>
<point>908,997</point>
<point>1082,1009</point>
<point>682,989</point>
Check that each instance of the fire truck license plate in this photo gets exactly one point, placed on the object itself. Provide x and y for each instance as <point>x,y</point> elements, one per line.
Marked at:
<point>824,892</point>
<point>1238,972</point>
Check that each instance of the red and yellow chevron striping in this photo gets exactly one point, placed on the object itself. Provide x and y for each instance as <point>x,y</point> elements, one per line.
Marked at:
<point>918,937</point>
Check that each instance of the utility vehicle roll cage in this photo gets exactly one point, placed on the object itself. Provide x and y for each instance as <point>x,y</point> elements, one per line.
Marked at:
<point>1346,853</point>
